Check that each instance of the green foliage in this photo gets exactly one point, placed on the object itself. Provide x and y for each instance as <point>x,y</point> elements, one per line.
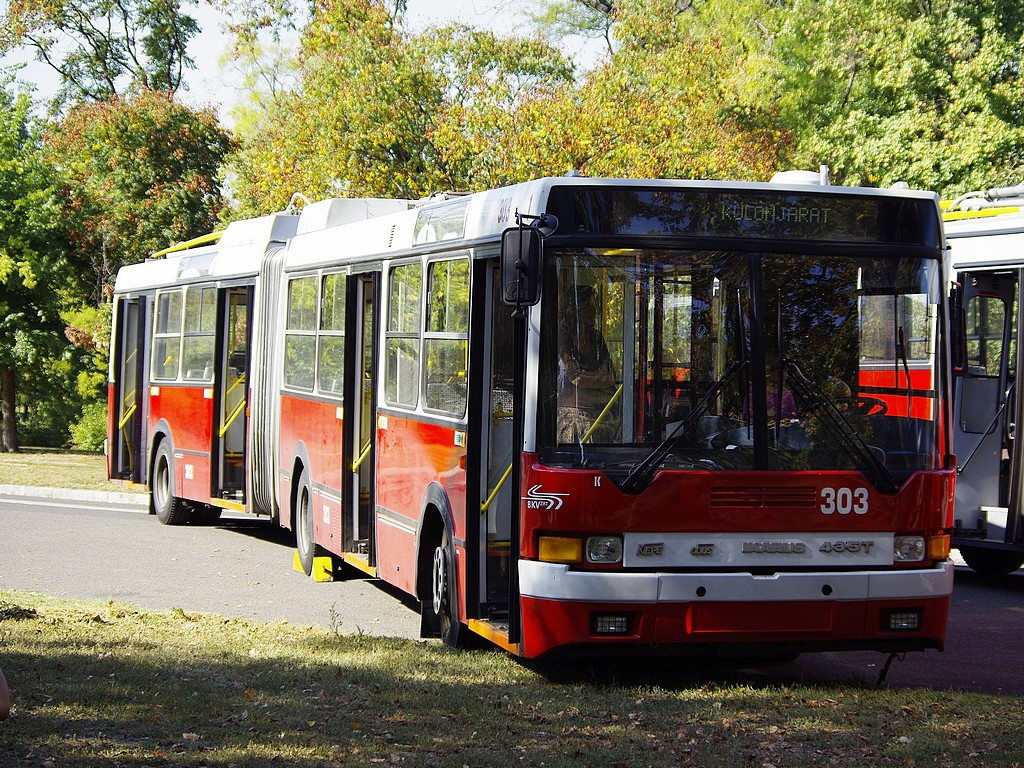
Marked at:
<point>381,112</point>
<point>583,18</point>
<point>34,273</point>
<point>665,104</point>
<point>888,90</point>
<point>89,432</point>
<point>87,327</point>
<point>101,47</point>
<point>376,109</point>
<point>139,174</point>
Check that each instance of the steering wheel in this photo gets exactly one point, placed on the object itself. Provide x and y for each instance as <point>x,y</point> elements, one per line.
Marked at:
<point>862,405</point>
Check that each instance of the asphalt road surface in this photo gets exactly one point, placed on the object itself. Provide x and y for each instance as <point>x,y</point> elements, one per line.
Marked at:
<point>243,568</point>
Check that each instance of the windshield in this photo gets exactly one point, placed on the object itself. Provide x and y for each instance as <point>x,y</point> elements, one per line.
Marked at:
<point>718,360</point>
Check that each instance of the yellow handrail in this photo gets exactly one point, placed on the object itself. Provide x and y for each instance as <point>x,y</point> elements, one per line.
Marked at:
<point>124,419</point>
<point>231,419</point>
<point>490,499</point>
<point>238,381</point>
<point>600,416</point>
<point>206,239</point>
<point>362,456</point>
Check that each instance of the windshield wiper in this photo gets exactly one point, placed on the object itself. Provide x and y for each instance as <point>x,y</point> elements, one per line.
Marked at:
<point>639,477</point>
<point>847,436</point>
<point>901,350</point>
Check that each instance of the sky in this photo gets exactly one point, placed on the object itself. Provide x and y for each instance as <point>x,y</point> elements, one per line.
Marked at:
<point>212,84</point>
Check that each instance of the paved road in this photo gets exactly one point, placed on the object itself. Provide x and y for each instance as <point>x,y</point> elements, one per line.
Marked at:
<point>96,550</point>
<point>243,568</point>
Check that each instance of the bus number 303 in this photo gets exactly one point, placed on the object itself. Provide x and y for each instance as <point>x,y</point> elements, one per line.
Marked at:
<point>844,501</point>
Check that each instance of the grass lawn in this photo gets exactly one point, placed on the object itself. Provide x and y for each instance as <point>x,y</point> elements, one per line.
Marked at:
<point>47,467</point>
<point>99,684</point>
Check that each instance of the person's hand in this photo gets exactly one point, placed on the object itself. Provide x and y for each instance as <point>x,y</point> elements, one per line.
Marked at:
<point>572,370</point>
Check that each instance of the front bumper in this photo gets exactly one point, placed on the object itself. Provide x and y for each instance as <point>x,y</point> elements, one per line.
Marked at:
<point>817,610</point>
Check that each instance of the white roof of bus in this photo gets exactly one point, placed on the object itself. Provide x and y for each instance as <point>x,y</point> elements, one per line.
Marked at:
<point>342,229</point>
<point>238,253</point>
<point>986,241</point>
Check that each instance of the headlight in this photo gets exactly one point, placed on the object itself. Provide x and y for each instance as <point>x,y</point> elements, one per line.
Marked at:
<point>908,549</point>
<point>604,549</point>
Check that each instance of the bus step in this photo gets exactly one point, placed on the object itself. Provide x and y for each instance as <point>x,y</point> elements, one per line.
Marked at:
<point>360,562</point>
<point>496,632</point>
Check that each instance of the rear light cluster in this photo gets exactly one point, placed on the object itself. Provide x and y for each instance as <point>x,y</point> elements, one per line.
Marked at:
<point>600,550</point>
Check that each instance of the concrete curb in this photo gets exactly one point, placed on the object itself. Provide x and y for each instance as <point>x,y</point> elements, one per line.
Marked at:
<point>75,494</point>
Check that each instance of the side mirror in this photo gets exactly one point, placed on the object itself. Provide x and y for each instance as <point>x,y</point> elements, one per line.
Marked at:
<point>521,251</point>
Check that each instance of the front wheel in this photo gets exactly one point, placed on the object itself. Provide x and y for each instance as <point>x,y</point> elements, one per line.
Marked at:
<point>168,508</point>
<point>442,588</point>
<point>995,562</point>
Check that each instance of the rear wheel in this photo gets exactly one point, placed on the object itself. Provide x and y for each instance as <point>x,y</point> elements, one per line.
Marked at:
<point>168,508</point>
<point>996,562</point>
<point>304,524</point>
<point>442,588</point>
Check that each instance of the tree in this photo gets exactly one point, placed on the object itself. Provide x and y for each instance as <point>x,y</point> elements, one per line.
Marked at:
<point>380,112</point>
<point>928,93</point>
<point>115,45</point>
<point>885,90</point>
<point>582,18</point>
<point>138,174</point>
<point>34,274</point>
<point>665,104</point>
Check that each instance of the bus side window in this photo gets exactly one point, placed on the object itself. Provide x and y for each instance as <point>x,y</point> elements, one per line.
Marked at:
<point>401,384</point>
<point>167,336</point>
<point>985,327</point>
<point>300,333</point>
<point>446,339</point>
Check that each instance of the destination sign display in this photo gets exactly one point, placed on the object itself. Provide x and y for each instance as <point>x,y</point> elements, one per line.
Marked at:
<point>755,214</point>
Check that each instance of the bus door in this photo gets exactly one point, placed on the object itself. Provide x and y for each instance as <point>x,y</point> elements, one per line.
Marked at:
<point>360,418</point>
<point>986,392</point>
<point>129,449</point>
<point>497,485</point>
<point>232,389</point>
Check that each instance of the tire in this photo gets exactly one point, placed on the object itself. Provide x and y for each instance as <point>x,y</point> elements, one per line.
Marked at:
<point>168,508</point>
<point>442,592</point>
<point>304,541</point>
<point>995,562</point>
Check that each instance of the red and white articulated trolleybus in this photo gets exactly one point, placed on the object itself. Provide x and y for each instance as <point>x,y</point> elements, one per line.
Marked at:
<point>986,237</point>
<point>573,414</point>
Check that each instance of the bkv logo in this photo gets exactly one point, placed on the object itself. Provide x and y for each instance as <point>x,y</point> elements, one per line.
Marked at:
<point>537,499</point>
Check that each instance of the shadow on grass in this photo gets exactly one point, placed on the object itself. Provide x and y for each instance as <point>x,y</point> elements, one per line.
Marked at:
<point>113,686</point>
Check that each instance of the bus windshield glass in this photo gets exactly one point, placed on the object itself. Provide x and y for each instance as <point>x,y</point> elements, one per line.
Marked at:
<point>714,360</point>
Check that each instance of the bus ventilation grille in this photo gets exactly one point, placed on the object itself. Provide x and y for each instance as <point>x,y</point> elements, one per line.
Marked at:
<point>764,498</point>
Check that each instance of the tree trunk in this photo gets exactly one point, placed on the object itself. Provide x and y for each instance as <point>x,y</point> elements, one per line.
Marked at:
<point>9,434</point>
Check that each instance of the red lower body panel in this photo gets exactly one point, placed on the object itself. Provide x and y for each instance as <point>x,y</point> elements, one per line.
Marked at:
<point>811,626</point>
